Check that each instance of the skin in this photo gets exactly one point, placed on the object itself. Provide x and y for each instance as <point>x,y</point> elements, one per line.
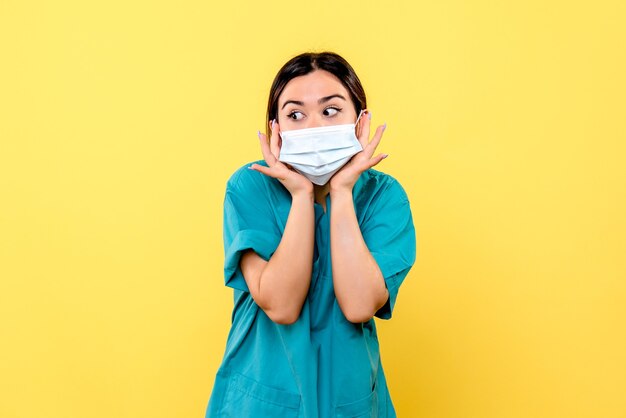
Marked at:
<point>280,286</point>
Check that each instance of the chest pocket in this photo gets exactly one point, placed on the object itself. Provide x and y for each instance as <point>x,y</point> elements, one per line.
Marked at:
<point>245,397</point>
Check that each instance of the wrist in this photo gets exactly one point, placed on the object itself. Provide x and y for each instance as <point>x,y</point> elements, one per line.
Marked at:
<point>339,191</point>
<point>303,194</point>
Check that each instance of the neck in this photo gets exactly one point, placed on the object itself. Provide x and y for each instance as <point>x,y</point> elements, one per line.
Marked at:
<point>320,193</point>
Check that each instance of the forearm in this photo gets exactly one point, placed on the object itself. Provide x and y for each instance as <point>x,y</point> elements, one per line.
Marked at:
<point>358,282</point>
<point>285,279</point>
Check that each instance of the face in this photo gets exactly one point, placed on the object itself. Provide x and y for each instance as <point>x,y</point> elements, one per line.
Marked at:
<point>315,99</point>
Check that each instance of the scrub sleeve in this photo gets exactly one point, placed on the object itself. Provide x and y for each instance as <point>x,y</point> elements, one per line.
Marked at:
<point>247,226</point>
<point>390,237</point>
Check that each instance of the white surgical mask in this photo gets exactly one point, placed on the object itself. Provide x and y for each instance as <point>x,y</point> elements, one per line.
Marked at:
<point>318,153</point>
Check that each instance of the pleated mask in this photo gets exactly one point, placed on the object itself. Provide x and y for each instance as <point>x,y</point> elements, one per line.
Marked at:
<point>318,153</point>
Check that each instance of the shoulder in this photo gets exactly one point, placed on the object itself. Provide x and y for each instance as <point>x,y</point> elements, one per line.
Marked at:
<point>379,185</point>
<point>244,179</point>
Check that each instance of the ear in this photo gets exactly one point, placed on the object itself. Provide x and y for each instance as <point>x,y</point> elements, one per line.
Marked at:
<point>362,115</point>
<point>360,120</point>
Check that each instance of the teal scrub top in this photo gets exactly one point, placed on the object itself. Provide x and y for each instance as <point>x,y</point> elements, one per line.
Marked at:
<point>322,365</point>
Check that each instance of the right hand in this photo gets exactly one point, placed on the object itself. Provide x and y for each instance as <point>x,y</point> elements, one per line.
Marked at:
<point>293,181</point>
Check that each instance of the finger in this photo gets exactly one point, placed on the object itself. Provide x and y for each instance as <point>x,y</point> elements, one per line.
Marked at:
<point>371,147</point>
<point>262,169</point>
<point>377,159</point>
<point>364,125</point>
<point>265,150</point>
<point>274,138</point>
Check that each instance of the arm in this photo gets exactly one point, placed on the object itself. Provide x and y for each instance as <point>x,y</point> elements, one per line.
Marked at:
<point>279,286</point>
<point>359,284</point>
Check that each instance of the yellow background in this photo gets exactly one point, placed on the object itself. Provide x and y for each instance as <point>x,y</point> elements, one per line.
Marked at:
<point>120,123</point>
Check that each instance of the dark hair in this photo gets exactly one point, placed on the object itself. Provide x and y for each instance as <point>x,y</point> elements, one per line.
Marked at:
<point>308,62</point>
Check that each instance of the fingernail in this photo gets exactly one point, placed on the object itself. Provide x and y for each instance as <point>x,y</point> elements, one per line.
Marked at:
<point>258,133</point>
<point>273,121</point>
<point>385,156</point>
<point>250,167</point>
<point>369,114</point>
<point>385,126</point>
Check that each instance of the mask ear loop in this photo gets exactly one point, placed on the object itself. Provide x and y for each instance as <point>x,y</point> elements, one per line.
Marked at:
<point>357,120</point>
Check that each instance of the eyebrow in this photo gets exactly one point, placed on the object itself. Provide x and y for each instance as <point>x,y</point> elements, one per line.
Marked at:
<point>320,101</point>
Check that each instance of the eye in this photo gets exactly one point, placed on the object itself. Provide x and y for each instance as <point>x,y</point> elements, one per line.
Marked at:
<point>331,111</point>
<point>295,115</point>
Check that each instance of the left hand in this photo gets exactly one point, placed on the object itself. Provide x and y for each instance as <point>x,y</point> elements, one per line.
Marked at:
<point>346,177</point>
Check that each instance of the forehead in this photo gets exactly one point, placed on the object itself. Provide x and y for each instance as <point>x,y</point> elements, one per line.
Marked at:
<point>310,87</point>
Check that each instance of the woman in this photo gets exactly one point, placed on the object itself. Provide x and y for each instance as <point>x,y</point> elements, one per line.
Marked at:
<point>317,243</point>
